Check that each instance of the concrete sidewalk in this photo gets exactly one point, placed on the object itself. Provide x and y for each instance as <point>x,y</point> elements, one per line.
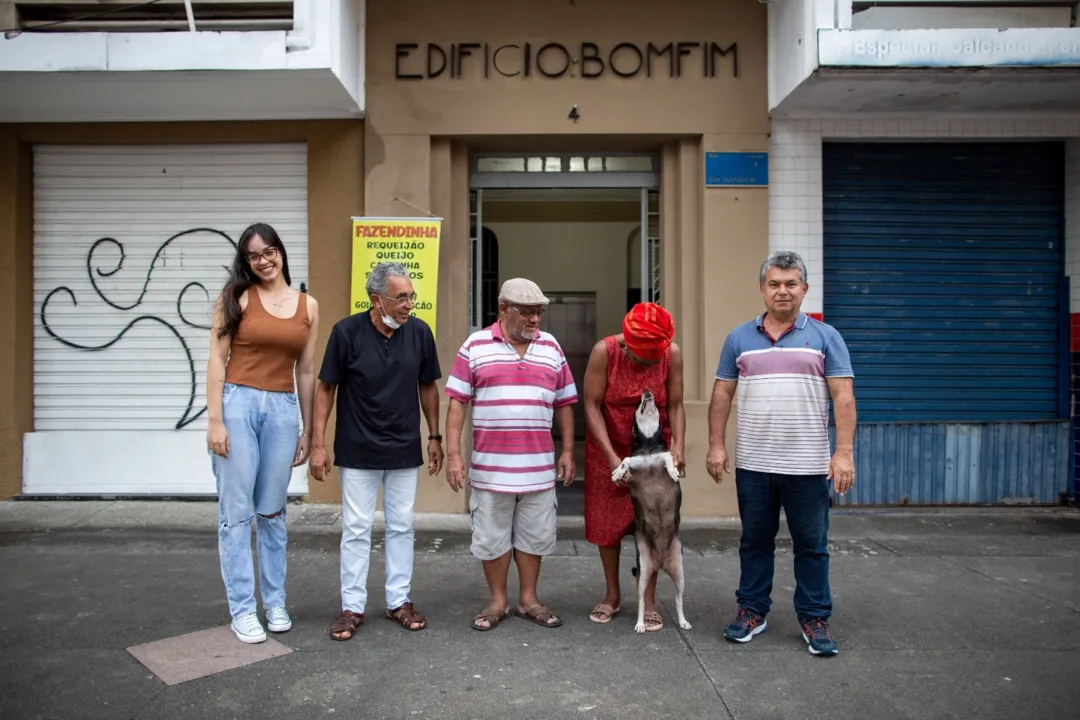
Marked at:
<point>196,515</point>
<point>938,614</point>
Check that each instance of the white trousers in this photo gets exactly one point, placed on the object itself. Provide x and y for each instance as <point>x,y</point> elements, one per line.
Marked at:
<point>359,491</point>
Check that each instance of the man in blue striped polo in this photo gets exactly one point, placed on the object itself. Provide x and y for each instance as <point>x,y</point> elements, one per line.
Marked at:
<point>784,367</point>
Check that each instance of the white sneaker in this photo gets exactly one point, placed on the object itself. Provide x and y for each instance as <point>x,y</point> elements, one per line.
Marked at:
<point>277,620</point>
<point>248,629</point>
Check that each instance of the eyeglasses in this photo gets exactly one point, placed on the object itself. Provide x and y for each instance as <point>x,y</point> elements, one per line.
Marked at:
<point>528,312</point>
<point>269,254</point>
<point>400,299</point>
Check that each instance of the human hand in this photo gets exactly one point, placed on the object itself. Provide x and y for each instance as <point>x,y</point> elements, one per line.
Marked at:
<point>435,457</point>
<point>455,472</point>
<point>217,438</point>
<point>303,448</point>
<point>567,471</point>
<point>320,464</point>
<point>614,462</point>
<point>716,462</point>
<point>678,458</point>
<point>842,470</point>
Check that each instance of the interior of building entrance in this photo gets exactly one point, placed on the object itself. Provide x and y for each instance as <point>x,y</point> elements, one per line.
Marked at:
<point>582,246</point>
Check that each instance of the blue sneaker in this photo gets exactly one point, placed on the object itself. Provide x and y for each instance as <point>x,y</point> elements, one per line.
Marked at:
<point>248,629</point>
<point>277,620</point>
<point>745,626</point>
<point>815,633</point>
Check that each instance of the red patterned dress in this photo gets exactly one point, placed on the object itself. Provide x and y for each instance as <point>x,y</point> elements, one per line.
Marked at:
<point>609,514</point>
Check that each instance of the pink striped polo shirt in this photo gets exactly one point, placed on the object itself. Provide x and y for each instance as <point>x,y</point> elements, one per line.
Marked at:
<point>514,400</point>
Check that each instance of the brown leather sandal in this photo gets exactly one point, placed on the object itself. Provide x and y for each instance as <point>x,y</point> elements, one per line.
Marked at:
<point>348,622</point>
<point>493,617</point>
<point>406,615</point>
<point>603,613</point>
<point>540,615</point>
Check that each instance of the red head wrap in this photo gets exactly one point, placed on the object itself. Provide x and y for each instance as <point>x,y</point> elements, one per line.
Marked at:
<point>648,330</point>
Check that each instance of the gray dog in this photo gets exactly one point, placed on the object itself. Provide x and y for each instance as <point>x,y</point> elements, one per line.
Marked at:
<point>654,489</point>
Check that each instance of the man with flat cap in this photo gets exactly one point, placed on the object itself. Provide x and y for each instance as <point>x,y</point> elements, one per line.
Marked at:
<point>518,382</point>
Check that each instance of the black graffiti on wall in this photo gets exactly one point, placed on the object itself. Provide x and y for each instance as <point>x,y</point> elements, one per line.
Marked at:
<point>189,416</point>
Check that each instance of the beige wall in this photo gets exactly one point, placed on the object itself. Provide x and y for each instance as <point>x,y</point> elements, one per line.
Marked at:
<point>474,105</point>
<point>565,257</point>
<point>9,15</point>
<point>421,131</point>
<point>17,301</point>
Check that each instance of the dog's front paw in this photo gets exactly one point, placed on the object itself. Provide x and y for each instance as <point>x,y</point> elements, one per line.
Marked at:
<point>639,628</point>
<point>620,472</point>
<point>685,625</point>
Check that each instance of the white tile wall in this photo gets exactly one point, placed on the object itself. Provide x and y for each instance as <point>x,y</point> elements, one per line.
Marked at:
<point>795,207</point>
<point>795,198</point>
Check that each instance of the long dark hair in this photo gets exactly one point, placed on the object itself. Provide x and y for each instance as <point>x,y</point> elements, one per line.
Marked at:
<point>242,277</point>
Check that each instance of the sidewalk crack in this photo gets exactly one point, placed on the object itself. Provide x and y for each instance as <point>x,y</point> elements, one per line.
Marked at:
<point>1021,588</point>
<point>88,518</point>
<point>682,635</point>
<point>884,547</point>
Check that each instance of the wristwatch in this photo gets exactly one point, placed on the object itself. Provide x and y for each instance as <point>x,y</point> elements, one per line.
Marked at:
<point>435,437</point>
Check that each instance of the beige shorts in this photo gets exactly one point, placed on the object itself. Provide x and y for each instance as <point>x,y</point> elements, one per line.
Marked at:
<point>501,521</point>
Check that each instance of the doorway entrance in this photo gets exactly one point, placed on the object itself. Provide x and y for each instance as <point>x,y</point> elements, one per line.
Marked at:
<point>587,230</point>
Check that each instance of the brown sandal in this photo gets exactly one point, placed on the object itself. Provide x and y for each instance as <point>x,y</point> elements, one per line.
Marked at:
<point>539,615</point>
<point>348,622</point>
<point>603,613</point>
<point>493,618</point>
<point>406,615</point>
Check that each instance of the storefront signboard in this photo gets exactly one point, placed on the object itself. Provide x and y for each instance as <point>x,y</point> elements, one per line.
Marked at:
<point>736,169</point>
<point>413,242</point>
<point>1014,47</point>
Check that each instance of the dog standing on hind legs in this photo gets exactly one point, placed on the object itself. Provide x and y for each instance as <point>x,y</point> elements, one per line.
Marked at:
<point>653,480</point>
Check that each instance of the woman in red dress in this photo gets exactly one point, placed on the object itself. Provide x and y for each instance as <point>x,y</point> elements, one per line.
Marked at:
<point>620,368</point>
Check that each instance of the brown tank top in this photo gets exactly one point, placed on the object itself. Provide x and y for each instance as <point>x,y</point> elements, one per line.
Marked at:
<point>265,348</point>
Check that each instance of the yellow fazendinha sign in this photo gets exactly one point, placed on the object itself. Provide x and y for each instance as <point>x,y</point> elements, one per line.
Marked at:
<point>413,242</point>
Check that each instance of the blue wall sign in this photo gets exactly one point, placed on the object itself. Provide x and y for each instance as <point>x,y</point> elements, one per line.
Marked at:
<point>736,169</point>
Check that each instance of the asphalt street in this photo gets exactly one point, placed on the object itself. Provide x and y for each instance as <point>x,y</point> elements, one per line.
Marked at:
<point>938,614</point>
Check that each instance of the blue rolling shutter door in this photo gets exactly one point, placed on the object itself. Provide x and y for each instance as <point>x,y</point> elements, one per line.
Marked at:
<point>943,270</point>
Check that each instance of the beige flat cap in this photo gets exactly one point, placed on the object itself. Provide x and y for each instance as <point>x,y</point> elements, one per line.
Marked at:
<point>520,291</point>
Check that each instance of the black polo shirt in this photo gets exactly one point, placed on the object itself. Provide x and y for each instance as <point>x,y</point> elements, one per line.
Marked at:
<point>378,406</point>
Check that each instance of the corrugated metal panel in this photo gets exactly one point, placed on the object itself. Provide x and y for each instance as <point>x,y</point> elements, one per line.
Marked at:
<point>965,464</point>
<point>102,217</point>
<point>943,265</point>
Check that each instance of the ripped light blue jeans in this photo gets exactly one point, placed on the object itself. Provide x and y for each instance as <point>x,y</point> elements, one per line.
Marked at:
<point>253,482</point>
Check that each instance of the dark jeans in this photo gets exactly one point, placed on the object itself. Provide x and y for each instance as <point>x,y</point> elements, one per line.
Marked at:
<point>805,499</point>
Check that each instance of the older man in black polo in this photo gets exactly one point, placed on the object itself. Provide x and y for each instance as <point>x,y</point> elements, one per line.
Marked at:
<point>376,363</point>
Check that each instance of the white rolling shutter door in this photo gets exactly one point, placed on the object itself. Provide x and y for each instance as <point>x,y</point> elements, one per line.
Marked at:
<point>131,246</point>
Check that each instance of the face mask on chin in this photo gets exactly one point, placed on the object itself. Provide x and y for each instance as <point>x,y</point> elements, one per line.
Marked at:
<point>387,320</point>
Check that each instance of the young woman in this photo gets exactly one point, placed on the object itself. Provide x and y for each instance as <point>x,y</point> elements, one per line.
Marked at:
<point>263,337</point>
<point>620,368</point>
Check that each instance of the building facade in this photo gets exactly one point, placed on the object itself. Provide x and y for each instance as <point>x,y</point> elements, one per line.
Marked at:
<point>586,145</point>
<point>924,160</point>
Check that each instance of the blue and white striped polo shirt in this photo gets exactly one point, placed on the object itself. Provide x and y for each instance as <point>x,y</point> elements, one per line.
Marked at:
<point>782,394</point>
